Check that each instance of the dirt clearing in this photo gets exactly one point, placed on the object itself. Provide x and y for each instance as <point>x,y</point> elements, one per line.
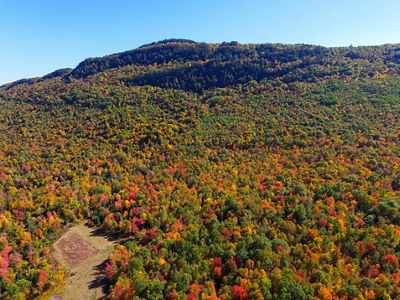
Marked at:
<point>82,251</point>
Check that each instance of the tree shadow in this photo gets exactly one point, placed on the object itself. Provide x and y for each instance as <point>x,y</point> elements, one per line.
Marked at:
<point>112,238</point>
<point>100,232</point>
<point>100,280</point>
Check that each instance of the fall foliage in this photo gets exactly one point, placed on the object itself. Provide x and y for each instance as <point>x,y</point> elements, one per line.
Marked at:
<point>227,171</point>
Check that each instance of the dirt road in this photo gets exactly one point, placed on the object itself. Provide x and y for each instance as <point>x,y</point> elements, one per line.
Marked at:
<point>82,251</point>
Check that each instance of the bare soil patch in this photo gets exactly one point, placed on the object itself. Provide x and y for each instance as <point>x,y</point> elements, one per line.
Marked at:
<point>76,249</point>
<point>83,252</point>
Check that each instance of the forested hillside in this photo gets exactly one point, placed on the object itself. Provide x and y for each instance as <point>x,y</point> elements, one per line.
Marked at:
<point>228,171</point>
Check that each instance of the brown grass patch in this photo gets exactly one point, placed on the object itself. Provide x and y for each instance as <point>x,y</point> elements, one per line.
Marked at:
<point>75,249</point>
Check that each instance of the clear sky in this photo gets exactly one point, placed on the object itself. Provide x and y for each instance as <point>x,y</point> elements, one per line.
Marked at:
<point>39,36</point>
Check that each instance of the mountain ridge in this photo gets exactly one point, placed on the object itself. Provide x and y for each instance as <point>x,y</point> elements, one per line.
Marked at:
<point>184,51</point>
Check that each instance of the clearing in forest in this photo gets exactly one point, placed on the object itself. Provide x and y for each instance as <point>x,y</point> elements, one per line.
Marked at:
<point>82,251</point>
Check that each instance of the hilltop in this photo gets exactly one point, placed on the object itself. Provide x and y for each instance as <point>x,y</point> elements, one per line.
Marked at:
<point>188,65</point>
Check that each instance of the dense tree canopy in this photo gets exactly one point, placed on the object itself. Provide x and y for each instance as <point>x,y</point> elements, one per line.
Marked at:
<point>228,171</point>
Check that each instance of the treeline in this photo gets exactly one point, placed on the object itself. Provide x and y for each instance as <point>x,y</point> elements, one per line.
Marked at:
<point>198,66</point>
<point>265,55</point>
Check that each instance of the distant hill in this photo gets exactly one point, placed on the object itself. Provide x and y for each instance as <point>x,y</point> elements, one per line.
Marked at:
<point>199,66</point>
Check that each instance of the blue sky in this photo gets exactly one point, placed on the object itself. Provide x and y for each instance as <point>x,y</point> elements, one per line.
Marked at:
<point>39,36</point>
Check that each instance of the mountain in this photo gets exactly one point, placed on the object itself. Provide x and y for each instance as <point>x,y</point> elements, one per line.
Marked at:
<point>199,66</point>
<point>257,171</point>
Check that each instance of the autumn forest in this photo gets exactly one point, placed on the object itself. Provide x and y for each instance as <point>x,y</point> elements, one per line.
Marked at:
<point>225,171</point>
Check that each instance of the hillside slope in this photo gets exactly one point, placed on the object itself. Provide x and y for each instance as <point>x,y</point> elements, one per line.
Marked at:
<point>229,171</point>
